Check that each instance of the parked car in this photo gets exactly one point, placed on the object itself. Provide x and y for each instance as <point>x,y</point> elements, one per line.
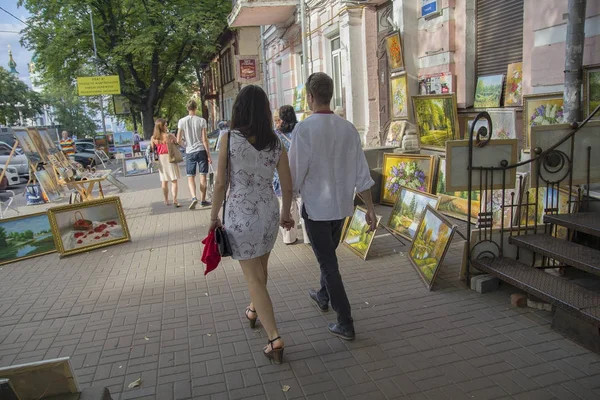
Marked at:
<point>85,155</point>
<point>12,175</point>
<point>18,160</point>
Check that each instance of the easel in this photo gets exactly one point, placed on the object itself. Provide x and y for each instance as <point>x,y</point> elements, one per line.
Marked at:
<point>12,153</point>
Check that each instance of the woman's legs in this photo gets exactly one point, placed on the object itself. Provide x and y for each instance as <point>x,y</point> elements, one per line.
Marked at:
<point>165,190</point>
<point>174,190</point>
<point>264,262</point>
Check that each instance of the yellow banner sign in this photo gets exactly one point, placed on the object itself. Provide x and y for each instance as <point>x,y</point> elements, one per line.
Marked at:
<point>98,85</point>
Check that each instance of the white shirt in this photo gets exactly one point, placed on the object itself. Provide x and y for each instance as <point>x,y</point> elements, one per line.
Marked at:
<point>192,126</point>
<point>328,164</point>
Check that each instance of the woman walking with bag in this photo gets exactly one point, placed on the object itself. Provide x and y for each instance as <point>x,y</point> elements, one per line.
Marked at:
<point>168,171</point>
<point>248,157</point>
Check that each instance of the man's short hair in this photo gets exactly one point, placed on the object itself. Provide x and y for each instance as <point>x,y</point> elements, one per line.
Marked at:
<point>192,105</point>
<point>320,87</point>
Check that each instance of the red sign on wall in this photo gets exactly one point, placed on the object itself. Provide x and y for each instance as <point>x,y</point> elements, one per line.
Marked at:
<point>247,69</point>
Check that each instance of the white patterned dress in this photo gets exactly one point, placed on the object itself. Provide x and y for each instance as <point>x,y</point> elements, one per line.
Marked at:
<point>252,213</point>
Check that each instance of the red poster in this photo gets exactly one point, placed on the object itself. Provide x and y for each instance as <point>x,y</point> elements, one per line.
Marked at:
<point>247,69</point>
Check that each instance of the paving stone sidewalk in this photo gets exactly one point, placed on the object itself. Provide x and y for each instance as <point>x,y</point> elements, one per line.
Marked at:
<point>145,310</point>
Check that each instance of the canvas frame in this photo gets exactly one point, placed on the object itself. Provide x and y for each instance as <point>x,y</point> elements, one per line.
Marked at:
<point>399,76</point>
<point>519,189</point>
<point>451,96</point>
<point>48,142</point>
<point>500,93</point>
<point>488,152</point>
<point>148,170</point>
<point>388,156</point>
<point>52,212</point>
<point>38,143</point>
<point>511,68</point>
<point>451,214</point>
<point>429,285</point>
<point>42,382</point>
<point>587,69</point>
<point>419,193</point>
<point>347,227</point>
<point>391,66</point>
<point>22,217</point>
<point>121,150</point>
<point>31,152</point>
<point>53,195</point>
<point>121,144</point>
<point>527,99</point>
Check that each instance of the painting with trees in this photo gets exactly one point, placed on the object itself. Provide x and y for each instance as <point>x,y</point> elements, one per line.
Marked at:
<point>408,211</point>
<point>455,204</point>
<point>25,237</point>
<point>488,92</point>
<point>357,236</point>
<point>430,245</point>
<point>436,118</point>
<point>591,89</point>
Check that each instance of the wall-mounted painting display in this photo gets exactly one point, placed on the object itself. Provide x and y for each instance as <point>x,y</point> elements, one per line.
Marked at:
<point>541,109</point>
<point>357,235</point>
<point>136,166</point>
<point>399,96</point>
<point>544,137</point>
<point>87,226</point>
<point>488,91</point>
<point>435,83</point>
<point>488,156</point>
<point>430,245</point>
<point>408,211</point>
<point>393,45</point>
<point>411,171</point>
<point>50,185</point>
<point>27,145</point>
<point>123,138</point>
<point>436,118</point>
<point>591,89</point>
<point>25,236</point>
<point>513,95</point>
<point>455,204</point>
<point>126,151</point>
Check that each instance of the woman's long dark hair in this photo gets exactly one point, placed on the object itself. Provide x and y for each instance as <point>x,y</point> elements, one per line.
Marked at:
<point>287,115</point>
<point>252,116</point>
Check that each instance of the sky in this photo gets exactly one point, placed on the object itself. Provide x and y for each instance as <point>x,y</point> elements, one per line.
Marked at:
<point>9,35</point>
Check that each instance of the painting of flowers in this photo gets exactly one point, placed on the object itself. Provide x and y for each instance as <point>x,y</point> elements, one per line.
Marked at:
<point>394,52</point>
<point>430,244</point>
<point>488,91</point>
<point>544,109</point>
<point>591,89</point>
<point>357,235</point>
<point>411,171</point>
<point>409,210</point>
<point>504,123</point>
<point>455,204</point>
<point>395,131</point>
<point>513,95</point>
<point>436,117</point>
<point>399,96</point>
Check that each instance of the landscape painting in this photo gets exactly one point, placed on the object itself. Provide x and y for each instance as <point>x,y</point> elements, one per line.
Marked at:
<point>357,236</point>
<point>136,166</point>
<point>27,145</point>
<point>548,198</point>
<point>126,151</point>
<point>541,109</point>
<point>591,90</point>
<point>436,118</point>
<point>430,244</point>
<point>399,96</point>
<point>50,185</point>
<point>455,204</point>
<point>411,171</point>
<point>394,52</point>
<point>488,91</point>
<point>25,237</point>
<point>48,142</point>
<point>408,211</point>
<point>123,138</point>
<point>513,95</point>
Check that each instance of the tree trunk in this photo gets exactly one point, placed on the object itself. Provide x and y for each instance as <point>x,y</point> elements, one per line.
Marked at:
<point>574,60</point>
<point>148,122</point>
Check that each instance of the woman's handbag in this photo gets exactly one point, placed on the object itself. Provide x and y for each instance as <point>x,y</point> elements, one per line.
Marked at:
<point>175,156</point>
<point>221,238</point>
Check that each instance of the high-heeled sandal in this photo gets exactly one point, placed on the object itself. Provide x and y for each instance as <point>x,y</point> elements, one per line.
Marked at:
<point>252,320</point>
<point>275,355</point>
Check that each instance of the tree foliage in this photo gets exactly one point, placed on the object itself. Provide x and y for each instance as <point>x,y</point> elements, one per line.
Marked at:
<point>70,111</point>
<point>149,44</point>
<point>16,96</point>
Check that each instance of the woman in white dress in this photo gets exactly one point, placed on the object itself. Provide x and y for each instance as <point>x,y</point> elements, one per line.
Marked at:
<point>252,216</point>
<point>167,171</point>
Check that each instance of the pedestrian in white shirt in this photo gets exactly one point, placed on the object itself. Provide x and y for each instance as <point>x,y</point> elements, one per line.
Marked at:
<point>328,166</point>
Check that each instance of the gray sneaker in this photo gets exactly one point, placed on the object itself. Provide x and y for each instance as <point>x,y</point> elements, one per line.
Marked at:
<point>341,331</point>
<point>193,205</point>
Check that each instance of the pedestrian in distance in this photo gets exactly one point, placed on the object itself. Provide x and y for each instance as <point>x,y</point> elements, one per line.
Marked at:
<point>328,167</point>
<point>248,157</point>
<point>191,130</point>
<point>167,171</point>
<point>67,145</point>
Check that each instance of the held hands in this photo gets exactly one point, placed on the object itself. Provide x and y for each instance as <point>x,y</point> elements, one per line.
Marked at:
<point>286,221</point>
<point>214,224</point>
<point>371,219</point>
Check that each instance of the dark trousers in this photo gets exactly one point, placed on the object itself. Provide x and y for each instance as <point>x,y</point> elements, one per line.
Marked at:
<point>324,237</point>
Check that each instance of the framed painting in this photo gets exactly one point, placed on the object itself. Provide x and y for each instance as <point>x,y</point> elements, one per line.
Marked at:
<point>541,109</point>
<point>408,211</point>
<point>436,119</point>
<point>399,96</point>
<point>46,379</point>
<point>513,94</point>
<point>136,166</point>
<point>38,143</point>
<point>126,151</point>
<point>393,46</point>
<point>591,90</point>
<point>550,200</point>
<point>395,131</point>
<point>504,123</point>
<point>25,236</point>
<point>430,245</point>
<point>48,142</point>
<point>411,171</point>
<point>123,139</point>
<point>455,204</point>
<point>87,226</point>
<point>488,156</point>
<point>504,206</point>
<point>27,145</point>
<point>357,236</point>
<point>488,91</point>
<point>50,185</point>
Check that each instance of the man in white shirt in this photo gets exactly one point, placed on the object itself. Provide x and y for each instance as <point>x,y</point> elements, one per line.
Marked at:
<point>328,167</point>
<point>192,131</point>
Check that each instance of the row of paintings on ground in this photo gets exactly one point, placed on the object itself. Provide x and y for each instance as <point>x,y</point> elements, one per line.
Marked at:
<point>68,230</point>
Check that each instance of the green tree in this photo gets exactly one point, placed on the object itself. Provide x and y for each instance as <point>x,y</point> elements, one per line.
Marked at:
<point>3,237</point>
<point>71,112</point>
<point>28,234</point>
<point>16,96</point>
<point>148,44</point>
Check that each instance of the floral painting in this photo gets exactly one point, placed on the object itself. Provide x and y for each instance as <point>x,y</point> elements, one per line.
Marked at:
<point>357,235</point>
<point>591,90</point>
<point>436,118</point>
<point>399,96</point>
<point>394,136</point>
<point>488,91</point>
<point>414,172</point>
<point>545,109</point>
<point>394,52</point>
<point>504,124</point>
<point>513,95</point>
<point>455,204</point>
<point>409,210</point>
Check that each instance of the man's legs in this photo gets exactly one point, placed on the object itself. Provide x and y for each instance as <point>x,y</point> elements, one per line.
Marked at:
<point>202,160</point>
<point>190,167</point>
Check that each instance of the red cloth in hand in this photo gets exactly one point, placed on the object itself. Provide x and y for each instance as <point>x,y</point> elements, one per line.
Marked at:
<point>210,254</point>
